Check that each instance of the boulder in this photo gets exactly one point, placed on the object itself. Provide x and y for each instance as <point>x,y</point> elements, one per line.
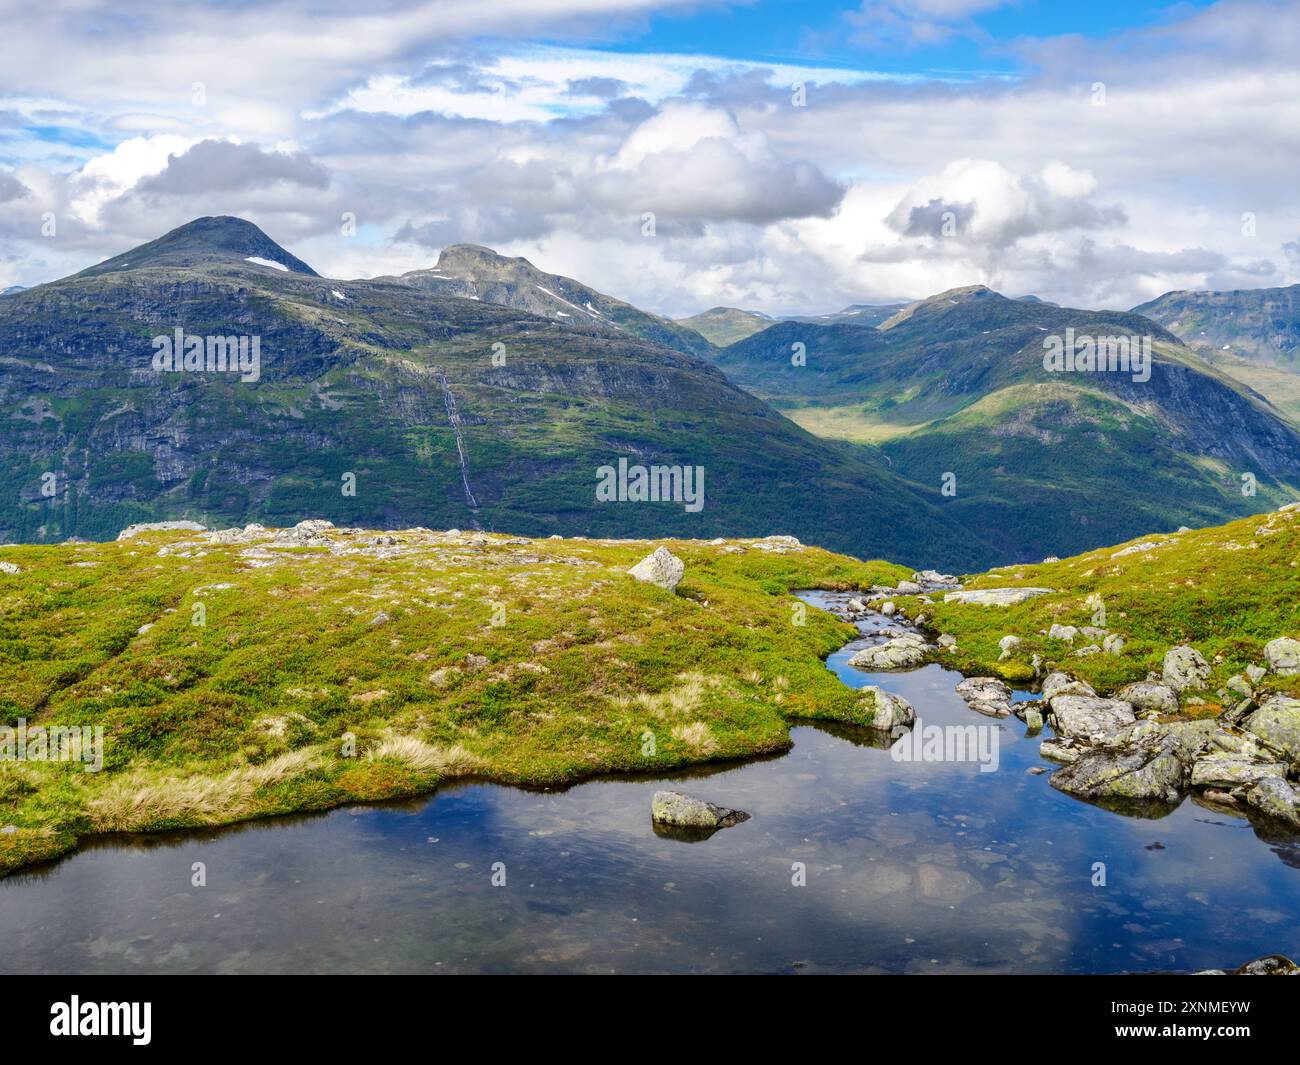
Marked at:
<point>684,811</point>
<point>1007,647</point>
<point>1090,718</point>
<point>1269,965</point>
<point>160,526</point>
<point>986,695</point>
<point>1063,684</point>
<point>1283,656</point>
<point>1277,723</point>
<point>661,568</point>
<point>1277,799</point>
<point>1033,719</point>
<point>930,578</point>
<point>995,596</point>
<point>9,567</point>
<point>1113,644</point>
<point>1151,770</point>
<point>1150,698</point>
<point>908,588</point>
<point>900,652</point>
<point>1062,632</point>
<point>1225,772</point>
<point>886,710</point>
<point>1185,667</point>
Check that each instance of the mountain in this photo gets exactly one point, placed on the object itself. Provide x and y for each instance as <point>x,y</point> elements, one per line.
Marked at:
<point>384,402</point>
<point>11,290</point>
<point>1251,334</point>
<point>1044,462</point>
<point>864,315</point>
<point>474,272</point>
<point>725,325</point>
<point>1261,325</point>
<point>208,242</point>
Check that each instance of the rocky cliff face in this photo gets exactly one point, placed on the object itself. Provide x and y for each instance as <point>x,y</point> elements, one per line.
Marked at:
<point>1261,324</point>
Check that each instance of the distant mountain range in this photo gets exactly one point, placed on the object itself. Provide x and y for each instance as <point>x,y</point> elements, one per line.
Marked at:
<point>486,392</point>
<point>403,402</point>
<point>955,384</point>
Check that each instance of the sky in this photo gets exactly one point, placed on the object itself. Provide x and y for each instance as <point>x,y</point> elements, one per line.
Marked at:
<point>788,157</point>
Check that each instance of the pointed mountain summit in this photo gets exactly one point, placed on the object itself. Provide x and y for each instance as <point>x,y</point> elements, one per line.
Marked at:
<point>474,272</point>
<point>203,242</point>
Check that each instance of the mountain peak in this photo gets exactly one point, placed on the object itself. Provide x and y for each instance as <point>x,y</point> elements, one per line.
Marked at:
<point>212,239</point>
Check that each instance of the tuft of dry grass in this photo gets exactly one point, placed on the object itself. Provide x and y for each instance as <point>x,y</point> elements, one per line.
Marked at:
<point>140,800</point>
<point>426,757</point>
<point>697,737</point>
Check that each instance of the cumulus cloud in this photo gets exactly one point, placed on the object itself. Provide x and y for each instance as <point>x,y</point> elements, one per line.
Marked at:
<point>227,167</point>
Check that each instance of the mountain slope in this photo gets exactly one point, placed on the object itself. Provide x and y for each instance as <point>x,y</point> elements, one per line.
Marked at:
<point>381,403</point>
<point>474,272</point>
<point>1045,463</point>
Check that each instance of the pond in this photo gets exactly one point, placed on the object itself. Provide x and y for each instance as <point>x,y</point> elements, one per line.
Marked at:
<point>854,860</point>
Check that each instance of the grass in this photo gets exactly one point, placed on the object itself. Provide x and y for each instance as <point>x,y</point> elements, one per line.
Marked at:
<point>1226,590</point>
<point>236,681</point>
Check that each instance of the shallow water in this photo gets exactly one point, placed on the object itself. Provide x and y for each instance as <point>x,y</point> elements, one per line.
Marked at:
<point>910,867</point>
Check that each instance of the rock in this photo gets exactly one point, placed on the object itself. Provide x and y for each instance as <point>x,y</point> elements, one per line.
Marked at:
<point>1147,771</point>
<point>887,710</point>
<point>475,663</point>
<point>1033,720</point>
<point>1240,685</point>
<point>1255,674</point>
<point>887,608</point>
<point>1269,965</point>
<point>1084,652</point>
<point>986,695</point>
<point>1283,656</point>
<point>908,588</point>
<point>1278,799</point>
<point>1113,644</point>
<point>1007,647</point>
<point>1050,559</point>
<point>930,578</point>
<point>996,596</point>
<point>382,618</point>
<point>947,640</point>
<point>1062,632</point>
<point>1087,717</point>
<point>901,652</point>
<point>1184,667</point>
<point>160,526</point>
<point>1277,723</point>
<point>9,567</point>
<point>683,811</point>
<point>1227,772</point>
<point>1149,698</point>
<point>1094,633</point>
<point>857,606</point>
<point>1061,750</point>
<point>661,568</point>
<point>1063,684</point>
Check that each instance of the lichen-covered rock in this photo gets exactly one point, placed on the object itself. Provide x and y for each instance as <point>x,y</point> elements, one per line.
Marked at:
<point>1148,697</point>
<point>899,652</point>
<point>1269,965</point>
<point>1277,799</point>
<point>1007,647</point>
<point>1277,723</point>
<point>1087,717</point>
<point>886,710</point>
<point>684,811</point>
<point>1185,667</point>
<point>1151,770</point>
<point>1226,772</point>
<point>986,695</point>
<point>1283,656</point>
<point>1113,644</point>
<point>661,568</point>
<point>1062,632</point>
<point>995,596</point>
<point>160,526</point>
<point>1063,684</point>
<point>9,567</point>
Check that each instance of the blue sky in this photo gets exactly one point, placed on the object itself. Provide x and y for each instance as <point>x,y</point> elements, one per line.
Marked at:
<point>1094,154</point>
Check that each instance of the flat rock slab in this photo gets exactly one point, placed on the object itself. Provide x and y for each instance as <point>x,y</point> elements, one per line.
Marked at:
<point>995,596</point>
<point>1091,718</point>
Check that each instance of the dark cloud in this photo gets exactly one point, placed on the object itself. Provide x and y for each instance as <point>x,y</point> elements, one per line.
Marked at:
<point>221,166</point>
